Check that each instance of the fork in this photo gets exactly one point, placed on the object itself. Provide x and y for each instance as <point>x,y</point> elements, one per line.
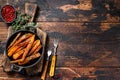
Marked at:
<point>52,67</point>
<point>46,65</point>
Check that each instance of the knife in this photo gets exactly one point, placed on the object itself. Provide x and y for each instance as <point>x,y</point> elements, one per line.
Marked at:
<point>46,65</point>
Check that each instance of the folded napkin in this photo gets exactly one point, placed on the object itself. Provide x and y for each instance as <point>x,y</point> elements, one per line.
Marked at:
<point>32,70</point>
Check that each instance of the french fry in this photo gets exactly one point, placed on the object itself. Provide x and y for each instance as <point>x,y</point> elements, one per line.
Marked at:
<point>34,46</point>
<point>36,50</point>
<point>28,59</point>
<point>11,48</point>
<point>26,50</point>
<point>21,46</point>
<point>25,43</point>
<point>25,36</point>
<point>11,44</point>
<point>18,54</point>
<point>15,61</point>
<point>20,40</point>
<point>28,47</point>
<point>12,51</point>
<point>19,49</point>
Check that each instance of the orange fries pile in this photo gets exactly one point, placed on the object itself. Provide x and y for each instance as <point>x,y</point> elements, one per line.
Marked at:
<point>24,48</point>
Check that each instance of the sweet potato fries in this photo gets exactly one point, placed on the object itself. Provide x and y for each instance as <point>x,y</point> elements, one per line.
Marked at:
<point>24,48</point>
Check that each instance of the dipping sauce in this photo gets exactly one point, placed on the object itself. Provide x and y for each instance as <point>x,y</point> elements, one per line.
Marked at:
<point>8,13</point>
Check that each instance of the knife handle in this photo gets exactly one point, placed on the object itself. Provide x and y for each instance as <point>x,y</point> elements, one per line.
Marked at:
<point>52,67</point>
<point>44,71</point>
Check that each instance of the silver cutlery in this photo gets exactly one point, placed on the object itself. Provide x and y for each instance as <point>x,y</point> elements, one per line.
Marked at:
<point>46,65</point>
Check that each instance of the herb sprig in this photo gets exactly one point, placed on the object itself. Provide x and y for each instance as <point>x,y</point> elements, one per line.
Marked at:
<point>21,22</point>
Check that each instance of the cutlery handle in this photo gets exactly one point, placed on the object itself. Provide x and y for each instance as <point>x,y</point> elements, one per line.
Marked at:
<point>44,71</point>
<point>52,67</point>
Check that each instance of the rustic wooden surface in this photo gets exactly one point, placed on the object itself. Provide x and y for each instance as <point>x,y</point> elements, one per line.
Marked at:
<point>89,33</point>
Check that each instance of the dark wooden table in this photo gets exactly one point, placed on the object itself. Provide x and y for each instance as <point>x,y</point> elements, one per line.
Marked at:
<point>89,33</point>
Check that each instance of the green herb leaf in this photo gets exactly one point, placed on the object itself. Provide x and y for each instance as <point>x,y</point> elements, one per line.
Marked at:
<point>22,21</point>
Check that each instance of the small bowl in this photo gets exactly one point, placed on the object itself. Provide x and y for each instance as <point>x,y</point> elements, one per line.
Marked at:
<point>8,13</point>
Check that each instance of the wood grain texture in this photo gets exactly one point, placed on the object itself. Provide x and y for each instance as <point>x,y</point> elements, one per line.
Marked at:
<point>73,73</point>
<point>80,45</point>
<point>72,10</point>
<point>3,32</point>
<point>89,34</point>
<point>84,44</point>
<point>77,10</point>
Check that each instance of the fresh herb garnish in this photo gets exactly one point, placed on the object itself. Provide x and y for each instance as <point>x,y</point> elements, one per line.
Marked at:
<point>22,21</point>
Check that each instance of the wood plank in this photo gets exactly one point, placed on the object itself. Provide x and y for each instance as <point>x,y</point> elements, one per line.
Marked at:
<point>89,33</point>
<point>79,46</point>
<point>82,45</point>
<point>72,10</point>
<point>3,32</point>
<point>73,73</point>
<point>2,3</point>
